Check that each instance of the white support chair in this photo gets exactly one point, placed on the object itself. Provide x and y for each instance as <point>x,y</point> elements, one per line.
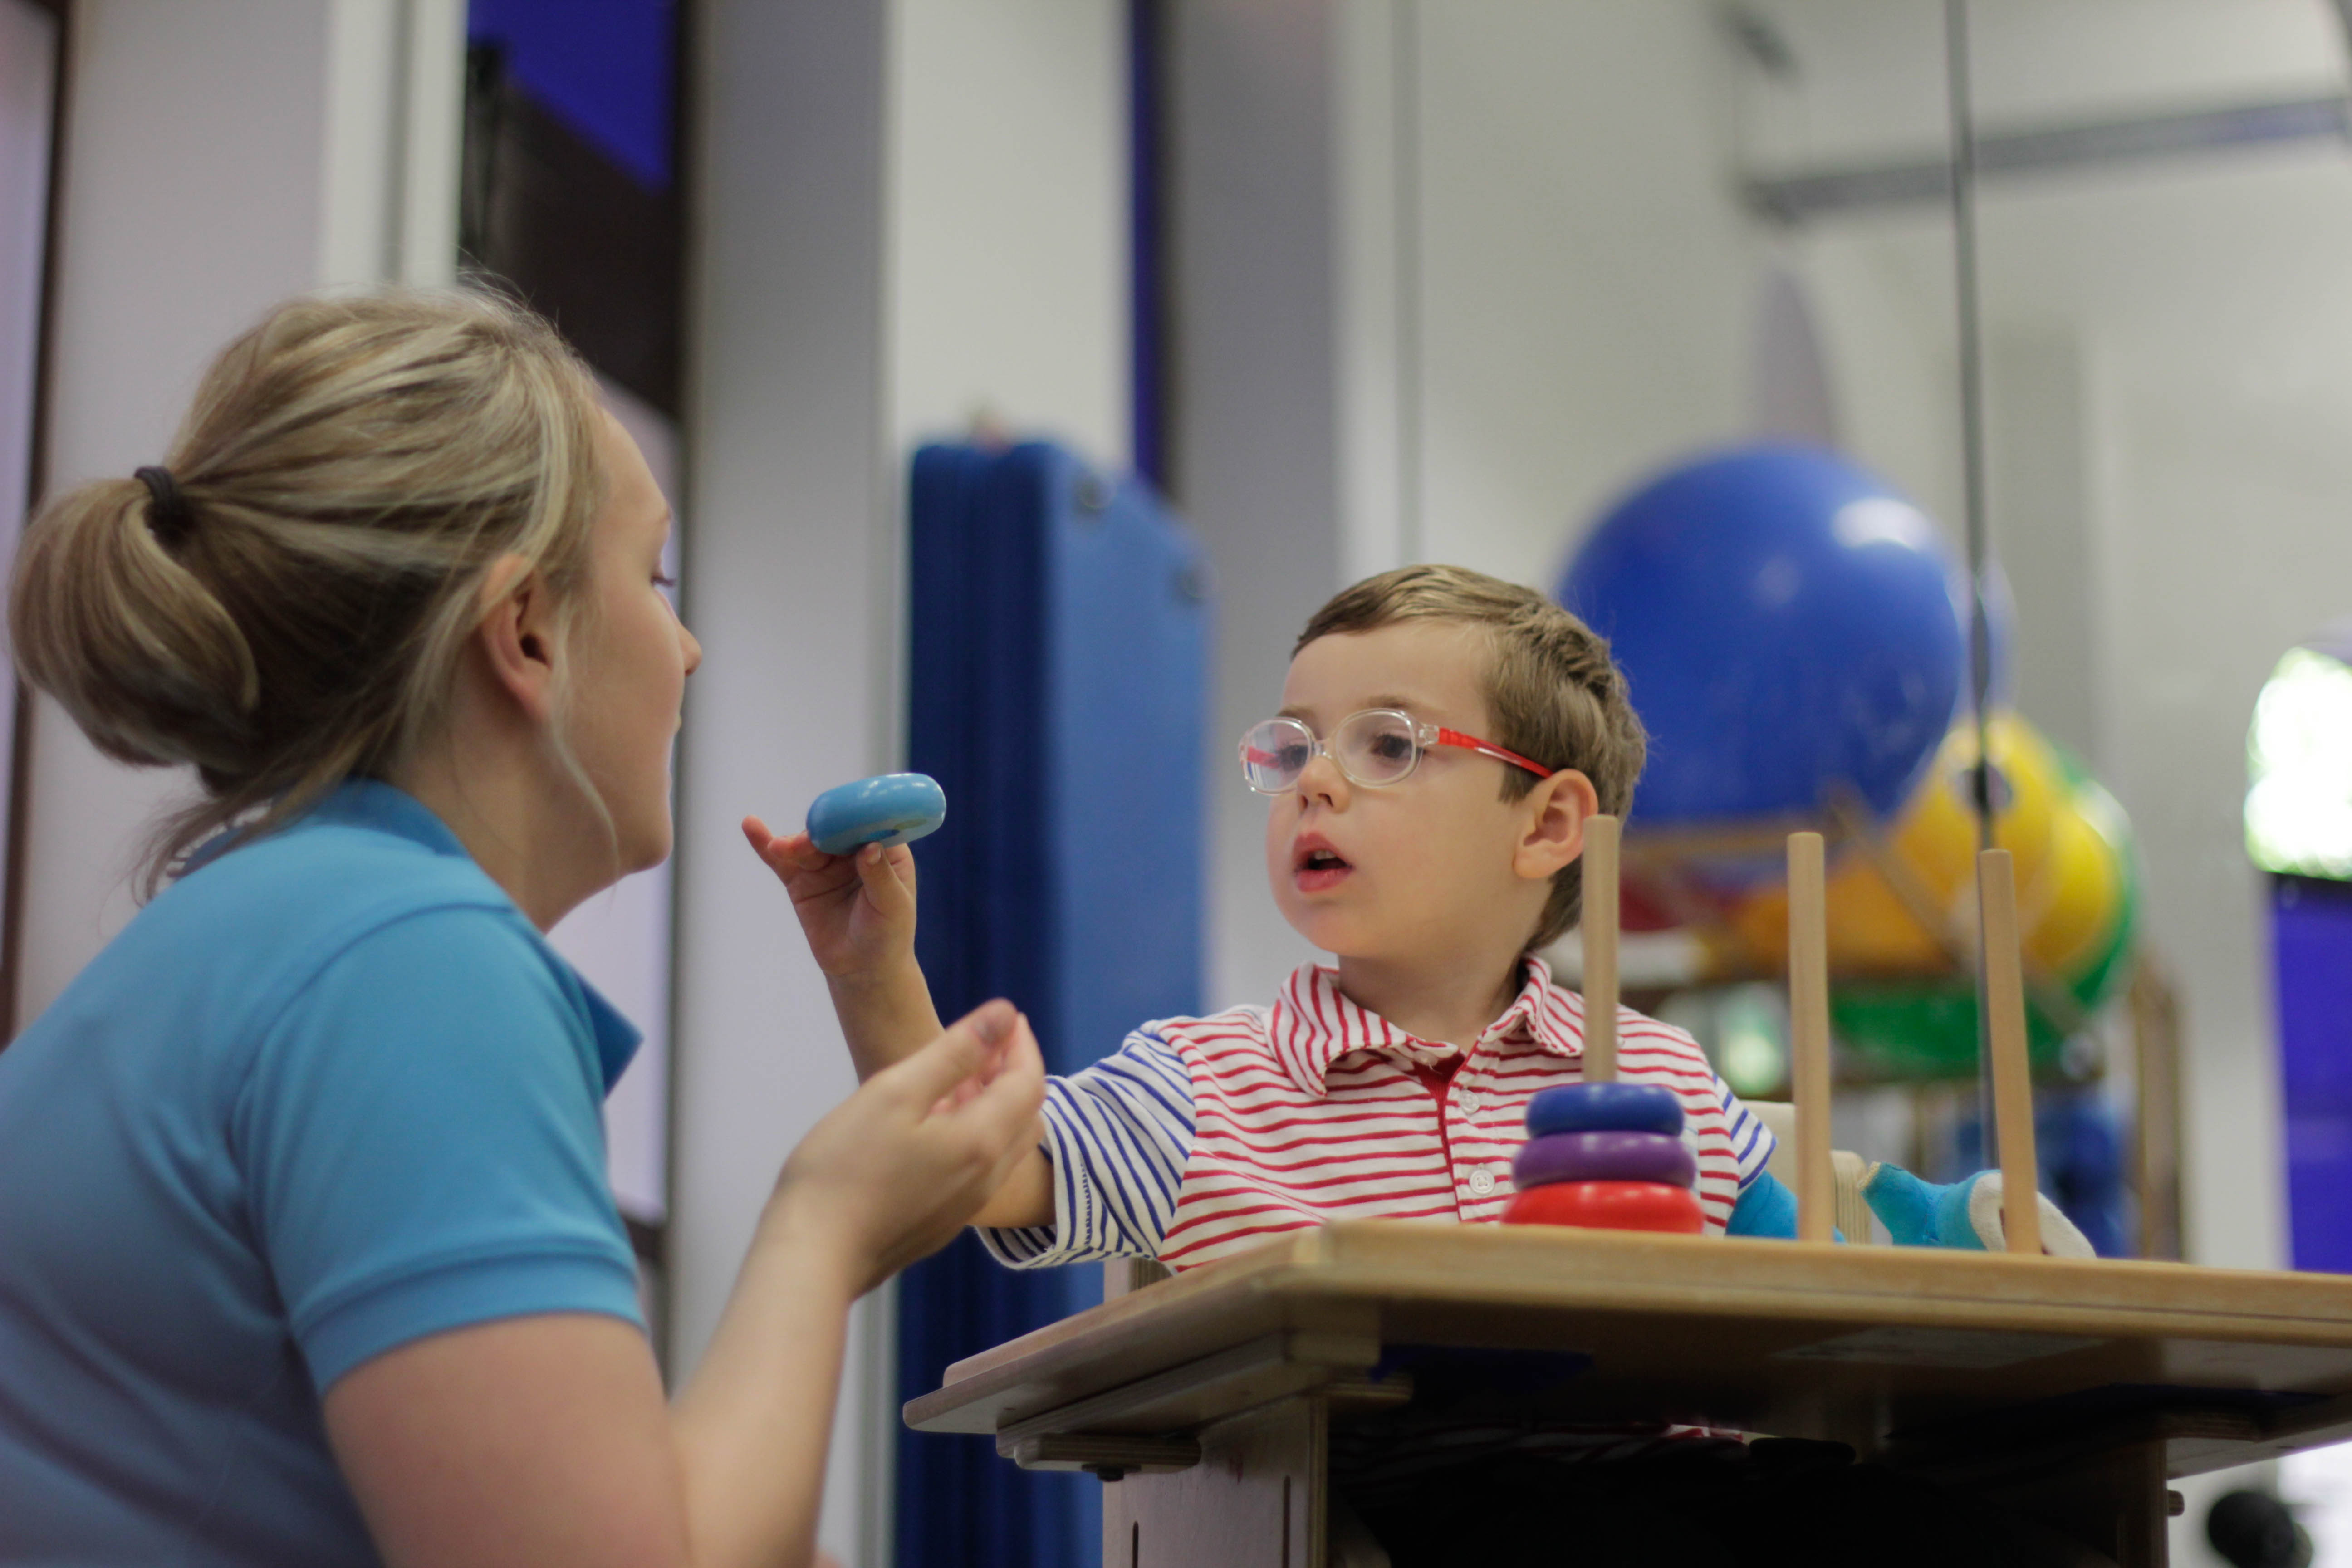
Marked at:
<point>1854,1217</point>
<point>1121,1275</point>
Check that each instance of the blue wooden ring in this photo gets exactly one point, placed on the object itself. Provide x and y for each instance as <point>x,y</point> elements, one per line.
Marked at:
<point>894,808</point>
<point>1604,1157</point>
<point>1605,1108</point>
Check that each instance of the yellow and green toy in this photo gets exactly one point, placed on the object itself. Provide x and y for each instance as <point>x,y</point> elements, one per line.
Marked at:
<point>1902,999</point>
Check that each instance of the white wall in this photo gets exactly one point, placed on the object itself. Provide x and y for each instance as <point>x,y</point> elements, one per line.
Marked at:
<point>1008,221</point>
<point>2166,404</point>
<point>908,212</point>
<point>786,486</point>
<point>1256,404</point>
<point>29,89</point>
<point>1588,275</point>
<point>1448,278</point>
<point>172,243</point>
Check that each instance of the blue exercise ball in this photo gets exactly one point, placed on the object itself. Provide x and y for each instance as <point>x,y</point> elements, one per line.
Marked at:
<point>1789,623</point>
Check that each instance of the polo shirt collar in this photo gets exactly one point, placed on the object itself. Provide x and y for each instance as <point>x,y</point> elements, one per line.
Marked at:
<point>1313,1023</point>
<point>385,808</point>
<point>372,803</point>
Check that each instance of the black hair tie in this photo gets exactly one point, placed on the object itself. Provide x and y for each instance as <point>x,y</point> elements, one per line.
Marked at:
<point>169,517</point>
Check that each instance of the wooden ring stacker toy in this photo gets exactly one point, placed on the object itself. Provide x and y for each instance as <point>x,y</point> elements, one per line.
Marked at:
<point>1604,1156</point>
<point>1809,1043</point>
<point>1604,1108</point>
<point>892,809</point>
<point>1809,1035</point>
<point>1584,1108</point>
<point>2012,1070</point>
<point>1609,1156</point>
<point>1608,1206</point>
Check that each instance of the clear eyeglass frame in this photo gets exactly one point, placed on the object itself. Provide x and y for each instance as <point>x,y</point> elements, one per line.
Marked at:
<point>1375,747</point>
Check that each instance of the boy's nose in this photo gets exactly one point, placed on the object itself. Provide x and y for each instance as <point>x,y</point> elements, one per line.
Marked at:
<point>1321,780</point>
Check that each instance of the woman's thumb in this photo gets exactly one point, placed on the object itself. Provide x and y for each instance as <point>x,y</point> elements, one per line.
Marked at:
<point>957,1055</point>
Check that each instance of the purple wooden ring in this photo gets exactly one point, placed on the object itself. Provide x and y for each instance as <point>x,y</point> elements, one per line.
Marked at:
<point>1604,1157</point>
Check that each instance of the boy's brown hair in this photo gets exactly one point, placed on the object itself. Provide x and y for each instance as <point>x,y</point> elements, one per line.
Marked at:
<point>1555,695</point>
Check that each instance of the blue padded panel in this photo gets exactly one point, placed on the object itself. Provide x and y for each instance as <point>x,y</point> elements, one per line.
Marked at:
<point>1127,659</point>
<point>2311,935</point>
<point>1058,689</point>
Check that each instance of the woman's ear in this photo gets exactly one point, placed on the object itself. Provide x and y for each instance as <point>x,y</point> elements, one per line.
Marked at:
<point>516,636</point>
<point>1557,810</point>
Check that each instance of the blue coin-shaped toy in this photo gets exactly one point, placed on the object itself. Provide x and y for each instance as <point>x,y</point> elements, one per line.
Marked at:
<point>1604,1157</point>
<point>1605,1108</point>
<point>894,808</point>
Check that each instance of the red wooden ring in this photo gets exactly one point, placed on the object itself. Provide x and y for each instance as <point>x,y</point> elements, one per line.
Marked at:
<point>1609,1206</point>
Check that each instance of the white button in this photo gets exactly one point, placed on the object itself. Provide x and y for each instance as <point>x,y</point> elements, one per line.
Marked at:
<point>1480,1183</point>
<point>1468,1100</point>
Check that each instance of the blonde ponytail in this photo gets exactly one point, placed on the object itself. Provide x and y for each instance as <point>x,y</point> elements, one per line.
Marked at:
<point>292,618</point>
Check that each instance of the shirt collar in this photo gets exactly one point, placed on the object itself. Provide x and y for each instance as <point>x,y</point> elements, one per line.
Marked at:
<point>385,808</point>
<point>372,803</point>
<point>1313,1025</point>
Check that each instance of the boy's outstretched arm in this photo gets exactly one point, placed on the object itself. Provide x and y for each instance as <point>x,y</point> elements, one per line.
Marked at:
<point>858,911</point>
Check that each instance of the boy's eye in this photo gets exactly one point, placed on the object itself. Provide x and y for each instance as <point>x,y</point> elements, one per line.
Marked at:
<point>1389,747</point>
<point>1291,759</point>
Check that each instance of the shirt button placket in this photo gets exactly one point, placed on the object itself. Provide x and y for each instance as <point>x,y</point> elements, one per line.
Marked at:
<point>1481,1183</point>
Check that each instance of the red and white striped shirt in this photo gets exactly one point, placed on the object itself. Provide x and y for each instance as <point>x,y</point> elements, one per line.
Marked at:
<point>1204,1136</point>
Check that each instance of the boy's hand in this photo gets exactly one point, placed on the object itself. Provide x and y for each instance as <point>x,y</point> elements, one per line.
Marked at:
<point>857,911</point>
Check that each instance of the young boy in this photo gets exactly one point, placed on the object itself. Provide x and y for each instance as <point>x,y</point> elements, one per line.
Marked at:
<point>1443,737</point>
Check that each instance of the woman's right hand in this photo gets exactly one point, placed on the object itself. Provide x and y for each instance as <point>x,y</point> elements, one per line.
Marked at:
<point>857,911</point>
<point>895,1171</point>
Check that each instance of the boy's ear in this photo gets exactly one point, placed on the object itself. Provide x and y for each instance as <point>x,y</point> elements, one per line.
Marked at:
<point>516,635</point>
<point>1558,809</point>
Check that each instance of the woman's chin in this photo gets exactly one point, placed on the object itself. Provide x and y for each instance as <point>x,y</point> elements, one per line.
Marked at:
<point>645,845</point>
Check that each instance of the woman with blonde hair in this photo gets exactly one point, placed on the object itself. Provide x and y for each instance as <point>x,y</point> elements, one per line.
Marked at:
<point>306,1250</point>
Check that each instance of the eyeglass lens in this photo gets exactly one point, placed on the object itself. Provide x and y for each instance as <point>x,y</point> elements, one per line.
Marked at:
<point>1376,747</point>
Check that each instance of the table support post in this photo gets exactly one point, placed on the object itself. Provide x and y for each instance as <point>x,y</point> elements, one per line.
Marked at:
<point>1258,1499</point>
<point>2115,1502</point>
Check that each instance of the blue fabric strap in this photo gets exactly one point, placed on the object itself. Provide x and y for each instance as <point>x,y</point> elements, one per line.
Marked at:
<point>1765,1208</point>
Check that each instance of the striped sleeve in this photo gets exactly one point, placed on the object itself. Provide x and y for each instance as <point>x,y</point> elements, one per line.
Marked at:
<point>1751,1141</point>
<point>1119,1134</point>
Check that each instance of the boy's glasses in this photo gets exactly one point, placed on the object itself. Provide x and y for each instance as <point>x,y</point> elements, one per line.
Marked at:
<point>1378,746</point>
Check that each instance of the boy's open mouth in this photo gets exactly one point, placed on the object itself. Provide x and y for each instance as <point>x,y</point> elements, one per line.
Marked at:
<point>1316,866</point>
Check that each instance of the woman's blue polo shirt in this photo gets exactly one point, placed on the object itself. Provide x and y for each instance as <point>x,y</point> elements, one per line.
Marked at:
<point>329,1093</point>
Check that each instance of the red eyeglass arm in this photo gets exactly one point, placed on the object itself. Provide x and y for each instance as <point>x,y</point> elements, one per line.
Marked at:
<point>1487,748</point>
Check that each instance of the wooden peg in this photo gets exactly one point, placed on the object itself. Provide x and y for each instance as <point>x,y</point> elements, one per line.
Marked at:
<point>1809,1035</point>
<point>2012,1070</point>
<point>1600,838</point>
